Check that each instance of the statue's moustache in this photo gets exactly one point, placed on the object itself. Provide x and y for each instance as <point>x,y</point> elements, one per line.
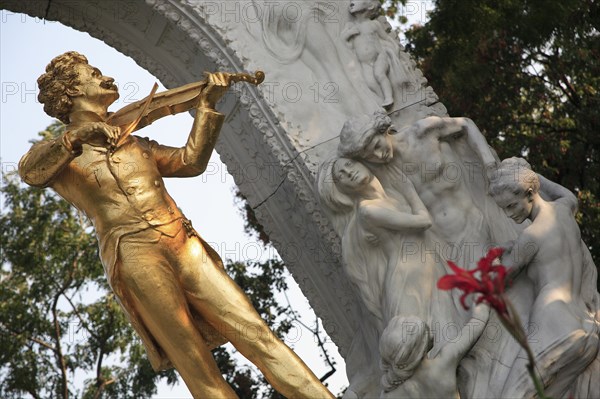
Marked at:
<point>109,85</point>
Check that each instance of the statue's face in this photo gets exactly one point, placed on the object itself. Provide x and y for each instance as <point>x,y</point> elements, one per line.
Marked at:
<point>380,149</point>
<point>350,174</point>
<point>357,6</point>
<point>516,206</point>
<point>95,86</point>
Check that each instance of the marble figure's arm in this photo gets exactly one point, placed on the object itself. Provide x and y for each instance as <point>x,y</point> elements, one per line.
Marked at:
<point>479,144</point>
<point>556,192</point>
<point>413,199</point>
<point>470,333</point>
<point>394,220</point>
<point>520,254</point>
<point>350,30</point>
<point>382,33</point>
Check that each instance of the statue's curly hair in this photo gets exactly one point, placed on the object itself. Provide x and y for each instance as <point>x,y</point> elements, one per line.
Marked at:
<point>59,77</point>
<point>514,175</point>
<point>358,132</point>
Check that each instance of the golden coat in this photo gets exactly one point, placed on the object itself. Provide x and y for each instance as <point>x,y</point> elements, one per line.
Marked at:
<point>122,192</point>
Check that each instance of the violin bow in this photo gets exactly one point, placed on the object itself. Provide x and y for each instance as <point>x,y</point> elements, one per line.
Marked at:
<point>137,120</point>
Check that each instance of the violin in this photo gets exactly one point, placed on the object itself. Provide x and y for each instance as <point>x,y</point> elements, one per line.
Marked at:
<point>157,105</point>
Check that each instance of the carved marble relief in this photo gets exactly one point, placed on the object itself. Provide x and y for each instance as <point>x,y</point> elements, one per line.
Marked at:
<point>320,70</point>
<point>377,52</point>
<point>422,190</point>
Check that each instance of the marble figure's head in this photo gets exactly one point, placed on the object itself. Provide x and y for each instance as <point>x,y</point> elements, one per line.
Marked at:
<point>403,344</point>
<point>513,187</point>
<point>340,180</point>
<point>369,7</point>
<point>368,137</point>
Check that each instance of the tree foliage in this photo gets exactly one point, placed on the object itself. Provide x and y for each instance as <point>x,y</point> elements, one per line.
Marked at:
<point>59,318</point>
<point>528,73</point>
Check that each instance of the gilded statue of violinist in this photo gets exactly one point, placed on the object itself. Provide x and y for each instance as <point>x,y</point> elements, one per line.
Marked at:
<point>169,282</point>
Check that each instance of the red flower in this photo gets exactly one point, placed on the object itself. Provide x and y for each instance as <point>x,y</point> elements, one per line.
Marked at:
<point>489,284</point>
<point>490,287</point>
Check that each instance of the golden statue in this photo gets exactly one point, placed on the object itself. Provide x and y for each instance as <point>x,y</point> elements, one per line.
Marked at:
<point>170,283</point>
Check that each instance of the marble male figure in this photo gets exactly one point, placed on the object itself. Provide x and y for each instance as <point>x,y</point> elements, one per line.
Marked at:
<point>170,283</point>
<point>552,255</point>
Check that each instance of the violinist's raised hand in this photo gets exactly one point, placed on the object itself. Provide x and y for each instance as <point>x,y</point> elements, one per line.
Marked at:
<point>216,87</point>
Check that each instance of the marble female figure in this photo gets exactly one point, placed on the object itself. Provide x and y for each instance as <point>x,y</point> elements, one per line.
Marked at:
<point>382,241</point>
<point>388,228</point>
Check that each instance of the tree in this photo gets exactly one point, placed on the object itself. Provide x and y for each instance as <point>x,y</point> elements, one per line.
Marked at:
<point>50,329</point>
<point>527,72</point>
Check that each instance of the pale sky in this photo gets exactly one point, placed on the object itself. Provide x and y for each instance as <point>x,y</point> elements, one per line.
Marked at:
<point>27,45</point>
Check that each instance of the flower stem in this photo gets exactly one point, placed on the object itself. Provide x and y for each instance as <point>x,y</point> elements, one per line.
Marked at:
<point>514,326</point>
<point>539,387</point>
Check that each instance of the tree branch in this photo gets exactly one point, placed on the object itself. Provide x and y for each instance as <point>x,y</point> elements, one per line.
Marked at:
<point>81,319</point>
<point>100,383</point>
<point>33,393</point>
<point>569,86</point>
<point>32,339</point>
<point>60,358</point>
<point>102,387</point>
<point>320,342</point>
<point>546,126</point>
